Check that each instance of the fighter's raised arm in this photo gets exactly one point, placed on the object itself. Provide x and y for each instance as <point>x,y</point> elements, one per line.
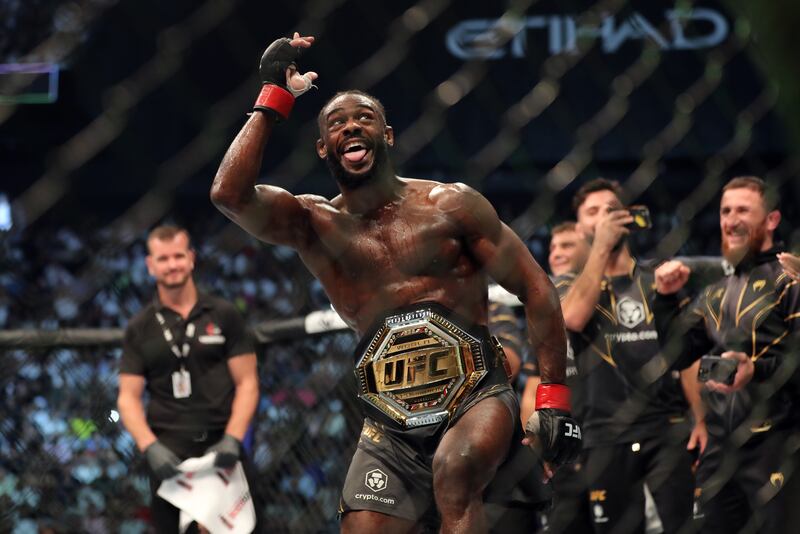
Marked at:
<point>270,213</point>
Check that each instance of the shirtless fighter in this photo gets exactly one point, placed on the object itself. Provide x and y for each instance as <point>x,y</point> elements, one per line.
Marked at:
<point>404,262</point>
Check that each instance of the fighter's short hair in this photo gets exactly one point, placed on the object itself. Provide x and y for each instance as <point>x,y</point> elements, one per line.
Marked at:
<point>593,186</point>
<point>378,104</point>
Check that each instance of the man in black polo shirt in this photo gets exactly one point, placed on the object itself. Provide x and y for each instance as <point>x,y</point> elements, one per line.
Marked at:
<point>194,356</point>
<point>631,433</point>
<point>752,317</point>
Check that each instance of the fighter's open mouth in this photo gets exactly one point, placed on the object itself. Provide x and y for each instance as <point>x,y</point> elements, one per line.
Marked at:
<point>355,151</point>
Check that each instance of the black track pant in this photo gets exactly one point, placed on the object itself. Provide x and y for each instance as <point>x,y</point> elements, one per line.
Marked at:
<point>740,488</point>
<point>616,476</point>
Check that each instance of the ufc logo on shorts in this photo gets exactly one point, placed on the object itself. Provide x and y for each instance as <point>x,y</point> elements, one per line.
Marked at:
<point>572,431</point>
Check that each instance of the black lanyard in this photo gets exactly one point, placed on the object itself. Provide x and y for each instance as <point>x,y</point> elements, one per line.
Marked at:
<point>180,353</point>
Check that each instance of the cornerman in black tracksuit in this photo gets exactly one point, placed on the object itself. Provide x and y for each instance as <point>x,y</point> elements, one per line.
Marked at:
<point>750,316</point>
<point>633,431</point>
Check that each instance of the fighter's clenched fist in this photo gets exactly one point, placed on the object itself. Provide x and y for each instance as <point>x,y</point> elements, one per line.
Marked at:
<point>671,276</point>
<point>281,80</point>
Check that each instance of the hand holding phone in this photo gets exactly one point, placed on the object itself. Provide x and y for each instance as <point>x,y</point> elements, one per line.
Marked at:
<point>641,218</point>
<point>716,368</point>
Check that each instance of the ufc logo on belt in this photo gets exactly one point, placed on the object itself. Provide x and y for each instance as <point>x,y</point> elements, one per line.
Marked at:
<point>417,368</point>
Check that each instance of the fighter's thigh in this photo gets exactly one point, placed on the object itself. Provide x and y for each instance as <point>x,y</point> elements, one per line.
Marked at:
<point>369,522</point>
<point>473,448</point>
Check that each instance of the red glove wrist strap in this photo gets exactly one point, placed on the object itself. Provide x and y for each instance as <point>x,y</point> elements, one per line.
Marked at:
<point>552,396</point>
<point>275,98</point>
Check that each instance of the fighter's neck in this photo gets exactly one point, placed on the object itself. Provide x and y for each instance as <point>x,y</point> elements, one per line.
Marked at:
<point>620,262</point>
<point>374,195</point>
<point>180,299</point>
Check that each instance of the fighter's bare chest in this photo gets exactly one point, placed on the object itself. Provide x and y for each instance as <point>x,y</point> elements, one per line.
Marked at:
<point>391,245</point>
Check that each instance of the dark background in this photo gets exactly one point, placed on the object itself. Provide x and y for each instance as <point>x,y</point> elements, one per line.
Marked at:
<point>151,94</point>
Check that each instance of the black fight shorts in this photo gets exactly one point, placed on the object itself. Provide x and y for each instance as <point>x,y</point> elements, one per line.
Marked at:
<point>391,471</point>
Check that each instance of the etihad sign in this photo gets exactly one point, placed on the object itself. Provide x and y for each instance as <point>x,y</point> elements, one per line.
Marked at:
<point>679,30</point>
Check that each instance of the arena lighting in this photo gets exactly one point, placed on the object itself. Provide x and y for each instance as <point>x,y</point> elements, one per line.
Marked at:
<point>28,83</point>
<point>6,219</point>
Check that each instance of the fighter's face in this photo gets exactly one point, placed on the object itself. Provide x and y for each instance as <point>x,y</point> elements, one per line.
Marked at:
<point>354,139</point>
<point>595,207</point>
<point>746,227</point>
<point>170,262</point>
<point>568,252</point>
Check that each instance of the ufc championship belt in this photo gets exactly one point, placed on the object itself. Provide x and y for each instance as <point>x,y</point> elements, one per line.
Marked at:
<point>420,363</point>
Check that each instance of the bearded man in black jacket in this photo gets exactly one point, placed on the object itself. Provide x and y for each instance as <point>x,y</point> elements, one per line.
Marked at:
<point>751,317</point>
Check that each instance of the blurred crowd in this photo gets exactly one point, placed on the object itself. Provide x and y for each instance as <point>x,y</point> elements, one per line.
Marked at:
<point>66,463</point>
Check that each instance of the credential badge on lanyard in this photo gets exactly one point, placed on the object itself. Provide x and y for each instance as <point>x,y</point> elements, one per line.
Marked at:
<point>181,380</point>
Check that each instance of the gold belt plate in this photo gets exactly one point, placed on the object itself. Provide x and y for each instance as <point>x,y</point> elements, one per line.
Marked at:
<point>419,366</point>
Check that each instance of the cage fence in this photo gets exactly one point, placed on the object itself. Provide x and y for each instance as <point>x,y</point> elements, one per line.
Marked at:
<point>672,130</point>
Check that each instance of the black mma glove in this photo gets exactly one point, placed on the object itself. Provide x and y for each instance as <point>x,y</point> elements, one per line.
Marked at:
<point>556,436</point>
<point>162,461</point>
<point>276,96</point>
<point>227,450</point>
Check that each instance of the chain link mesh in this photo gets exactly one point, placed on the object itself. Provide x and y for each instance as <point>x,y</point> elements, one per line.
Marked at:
<point>65,461</point>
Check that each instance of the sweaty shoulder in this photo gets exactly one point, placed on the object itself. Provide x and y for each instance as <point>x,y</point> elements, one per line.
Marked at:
<point>315,201</point>
<point>453,197</point>
<point>467,206</point>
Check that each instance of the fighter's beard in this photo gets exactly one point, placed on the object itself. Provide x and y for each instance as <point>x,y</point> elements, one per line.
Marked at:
<point>354,181</point>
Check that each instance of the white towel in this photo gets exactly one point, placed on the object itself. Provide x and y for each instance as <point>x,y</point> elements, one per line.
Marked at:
<point>218,499</point>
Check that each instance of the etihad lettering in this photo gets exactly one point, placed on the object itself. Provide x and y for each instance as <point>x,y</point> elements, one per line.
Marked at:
<point>687,29</point>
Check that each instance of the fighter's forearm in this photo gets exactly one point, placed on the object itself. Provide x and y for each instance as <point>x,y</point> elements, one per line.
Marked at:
<point>546,332</point>
<point>527,404</point>
<point>234,184</point>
